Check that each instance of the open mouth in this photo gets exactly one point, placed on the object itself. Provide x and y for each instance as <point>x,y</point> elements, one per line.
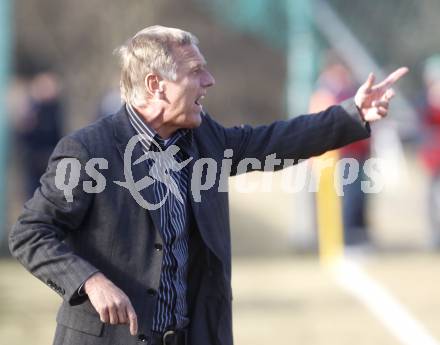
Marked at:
<point>199,99</point>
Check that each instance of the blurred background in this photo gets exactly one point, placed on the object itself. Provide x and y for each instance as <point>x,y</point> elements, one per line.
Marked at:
<point>272,60</point>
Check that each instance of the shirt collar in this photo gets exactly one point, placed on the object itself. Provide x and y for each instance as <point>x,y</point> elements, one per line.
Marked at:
<point>148,135</point>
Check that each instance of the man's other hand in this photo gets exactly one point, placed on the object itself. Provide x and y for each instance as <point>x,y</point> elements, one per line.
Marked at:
<point>111,303</point>
<point>373,100</point>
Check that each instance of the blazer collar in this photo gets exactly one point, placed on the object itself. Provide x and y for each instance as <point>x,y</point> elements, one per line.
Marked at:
<point>123,131</point>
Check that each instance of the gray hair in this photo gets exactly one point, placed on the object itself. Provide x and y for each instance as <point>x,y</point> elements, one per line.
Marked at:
<point>149,51</point>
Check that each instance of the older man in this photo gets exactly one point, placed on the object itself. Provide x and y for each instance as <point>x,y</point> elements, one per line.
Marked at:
<point>129,271</point>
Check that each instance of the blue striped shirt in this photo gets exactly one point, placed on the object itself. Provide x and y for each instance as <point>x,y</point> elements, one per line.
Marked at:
<point>171,307</point>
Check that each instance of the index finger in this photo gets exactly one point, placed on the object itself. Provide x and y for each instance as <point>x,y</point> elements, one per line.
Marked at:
<point>132,319</point>
<point>392,78</point>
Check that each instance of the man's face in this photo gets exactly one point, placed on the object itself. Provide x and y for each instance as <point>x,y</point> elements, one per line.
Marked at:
<point>183,97</point>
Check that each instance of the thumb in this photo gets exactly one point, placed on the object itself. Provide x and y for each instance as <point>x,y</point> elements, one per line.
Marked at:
<point>368,85</point>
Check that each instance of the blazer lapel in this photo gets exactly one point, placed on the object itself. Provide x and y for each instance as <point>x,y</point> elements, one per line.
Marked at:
<point>201,213</point>
<point>124,132</point>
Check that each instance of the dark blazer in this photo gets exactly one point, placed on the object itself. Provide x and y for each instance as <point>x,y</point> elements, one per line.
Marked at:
<point>63,243</point>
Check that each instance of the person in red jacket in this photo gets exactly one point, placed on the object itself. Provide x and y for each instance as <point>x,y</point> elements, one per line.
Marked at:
<point>430,146</point>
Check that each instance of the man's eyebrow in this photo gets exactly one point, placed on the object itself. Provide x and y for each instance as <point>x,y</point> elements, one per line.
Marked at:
<point>198,64</point>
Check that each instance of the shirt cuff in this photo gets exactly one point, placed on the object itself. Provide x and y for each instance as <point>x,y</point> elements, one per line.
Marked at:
<point>352,109</point>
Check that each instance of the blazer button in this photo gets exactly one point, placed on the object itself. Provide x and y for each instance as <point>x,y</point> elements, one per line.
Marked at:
<point>142,338</point>
<point>151,292</point>
<point>158,247</point>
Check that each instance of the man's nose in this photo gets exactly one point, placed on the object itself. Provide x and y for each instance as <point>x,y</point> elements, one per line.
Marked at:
<point>208,80</point>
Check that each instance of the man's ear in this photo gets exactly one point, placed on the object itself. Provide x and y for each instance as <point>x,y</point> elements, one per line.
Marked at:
<point>154,85</point>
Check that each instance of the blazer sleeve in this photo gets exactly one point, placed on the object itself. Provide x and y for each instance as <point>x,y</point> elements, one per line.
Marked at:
<point>302,137</point>
<point>37,238</point>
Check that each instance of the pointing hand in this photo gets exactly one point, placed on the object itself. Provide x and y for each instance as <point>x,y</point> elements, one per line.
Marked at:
<point>373,100</point>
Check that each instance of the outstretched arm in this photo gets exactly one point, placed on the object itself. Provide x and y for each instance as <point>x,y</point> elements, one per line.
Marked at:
<point>310,135</point>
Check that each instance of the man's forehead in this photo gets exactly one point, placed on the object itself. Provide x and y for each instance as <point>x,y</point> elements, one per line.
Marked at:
<point>189,55</point>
